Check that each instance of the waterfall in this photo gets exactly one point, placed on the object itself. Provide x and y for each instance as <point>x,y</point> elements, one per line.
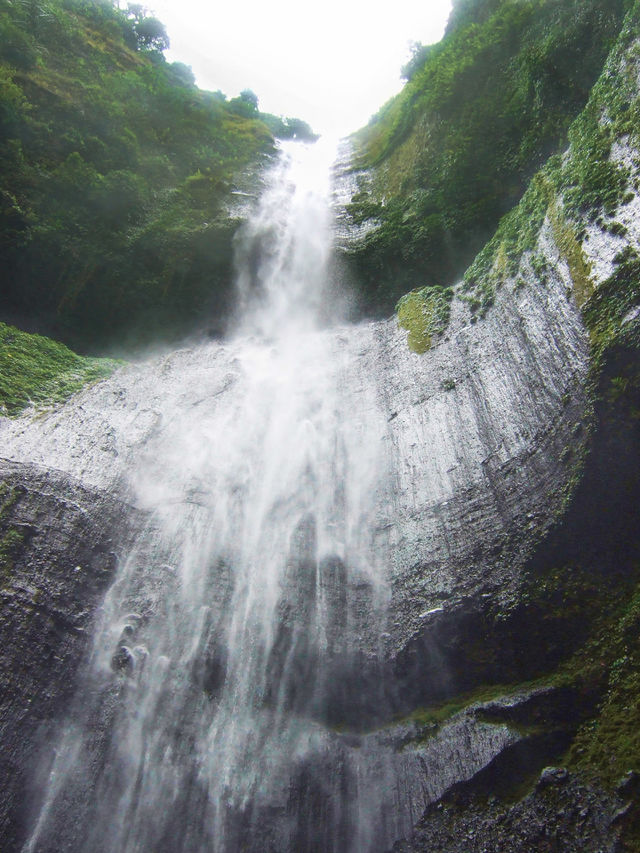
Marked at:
<point>238,646</point>
<point>315,514</point>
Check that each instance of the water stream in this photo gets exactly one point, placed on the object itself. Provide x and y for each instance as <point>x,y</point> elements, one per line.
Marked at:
<point>240,635</point>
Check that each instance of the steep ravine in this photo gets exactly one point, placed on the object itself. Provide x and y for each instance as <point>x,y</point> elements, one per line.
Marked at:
<point>473,478</point>
<point>499,494</point>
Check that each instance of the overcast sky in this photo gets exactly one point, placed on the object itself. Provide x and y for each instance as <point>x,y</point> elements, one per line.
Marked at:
<point>332,64</point>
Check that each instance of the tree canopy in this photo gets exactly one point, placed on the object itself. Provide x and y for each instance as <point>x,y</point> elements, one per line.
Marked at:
<point>116,174</point>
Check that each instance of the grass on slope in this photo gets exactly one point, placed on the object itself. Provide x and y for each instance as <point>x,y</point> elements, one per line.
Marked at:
<point>36,371</point>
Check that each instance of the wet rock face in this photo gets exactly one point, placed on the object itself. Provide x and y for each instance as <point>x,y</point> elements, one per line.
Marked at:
<point>561,815</point>
<point>479,429</point>
<point>445,472</point>
<point>54,575</point>
<point>465,446</point>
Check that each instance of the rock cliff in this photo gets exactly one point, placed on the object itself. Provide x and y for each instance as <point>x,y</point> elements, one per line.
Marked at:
<point>501,499</point>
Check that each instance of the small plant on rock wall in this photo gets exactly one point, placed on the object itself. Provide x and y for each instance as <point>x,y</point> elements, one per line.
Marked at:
<point>424,312</point>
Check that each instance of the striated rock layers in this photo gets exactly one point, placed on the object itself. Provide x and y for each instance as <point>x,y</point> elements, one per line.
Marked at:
<point>471,474</point>
<point>493,457</point>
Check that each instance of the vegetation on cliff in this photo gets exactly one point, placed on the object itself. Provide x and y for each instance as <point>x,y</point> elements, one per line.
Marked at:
<point>36,371</point>
<point>591,600</point>
<point>115,176</point>
<point>576,624</point>
<point>586,187</point>
<point>454,151</point>
<point>575,627</point>
<point>424,312</point>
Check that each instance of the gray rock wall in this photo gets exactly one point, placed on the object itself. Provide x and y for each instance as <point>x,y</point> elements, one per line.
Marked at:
<point>473,448</point>
<point>54,577</point>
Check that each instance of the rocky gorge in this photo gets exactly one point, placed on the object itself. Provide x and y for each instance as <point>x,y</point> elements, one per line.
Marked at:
<point>439,650</point>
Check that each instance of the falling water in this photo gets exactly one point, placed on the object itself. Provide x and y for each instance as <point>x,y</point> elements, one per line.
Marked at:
<point>238,644</point>
<point>309,499</point>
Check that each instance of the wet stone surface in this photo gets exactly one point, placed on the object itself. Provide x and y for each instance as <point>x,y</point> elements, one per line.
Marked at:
<point>566,816</point>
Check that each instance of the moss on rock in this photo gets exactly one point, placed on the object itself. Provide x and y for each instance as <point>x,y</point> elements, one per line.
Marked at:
<point>424,313</point>
<point>606,311</point>
<point>566,239</point>
<point>587,185</point>
<point>455,150</point>
<point>37,371</point>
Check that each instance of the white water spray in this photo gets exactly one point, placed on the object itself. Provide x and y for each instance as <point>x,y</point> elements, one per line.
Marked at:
<point>238,628</point>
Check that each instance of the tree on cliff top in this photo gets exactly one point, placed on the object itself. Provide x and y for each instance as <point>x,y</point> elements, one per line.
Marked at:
<point>150,33</point>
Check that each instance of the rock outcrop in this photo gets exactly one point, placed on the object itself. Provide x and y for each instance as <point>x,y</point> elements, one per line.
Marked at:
<point>60,545</point>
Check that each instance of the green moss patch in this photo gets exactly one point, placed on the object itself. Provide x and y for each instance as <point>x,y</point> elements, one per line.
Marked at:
<point>609,743</point>
<point>517,233</point>
<point>566,239</point>
<point>424,312</point>
<point>36,371</point>
<point>613,299</point>
<point>431,719</point>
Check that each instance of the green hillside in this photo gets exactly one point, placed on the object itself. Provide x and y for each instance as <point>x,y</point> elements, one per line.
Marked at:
<point>481,111</point>
<point>115,174</point>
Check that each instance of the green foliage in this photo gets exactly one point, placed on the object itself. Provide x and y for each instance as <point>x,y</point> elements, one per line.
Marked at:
<point>288,128</point>
<point>246,104</point>
<point>606,607</point>
<point>609,743</point>
<point>151,34</point>
<point>147,32</point>
<point>517,233</point>
<point>419,55</point>
<point>596,596</point>
<point>430,720</point>
<point>605,311</point>
<point>567,240</point>
<point>16,47</point>
<point>182,73</point>
<point>465,12</point>
<point>249,97</point>
<point>455,150</point>
<point>36,371</point>
<point>424,312</point>
<point>581,188</point>
<point>115,175</point>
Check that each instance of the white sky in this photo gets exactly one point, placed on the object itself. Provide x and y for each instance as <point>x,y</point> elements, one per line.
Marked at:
<point>331,63</point>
